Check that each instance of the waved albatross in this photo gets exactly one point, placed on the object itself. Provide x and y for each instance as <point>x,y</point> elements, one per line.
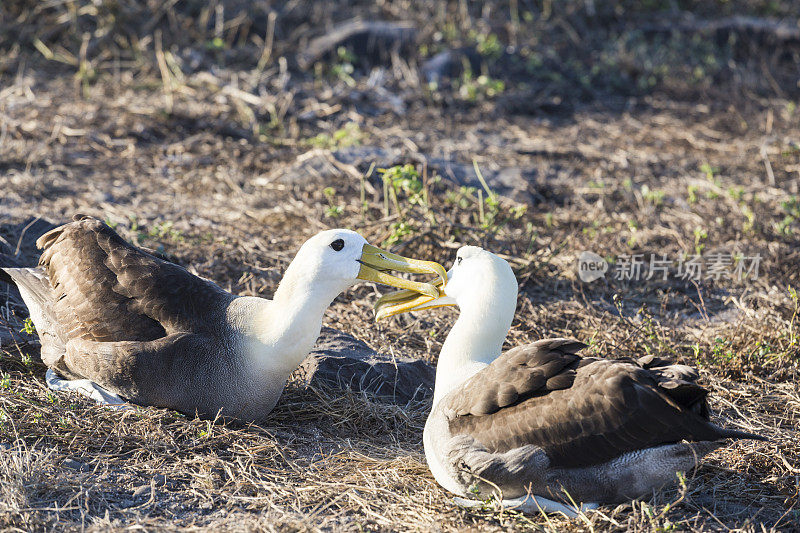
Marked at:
<point>153,333</point>
<point>541,423</point>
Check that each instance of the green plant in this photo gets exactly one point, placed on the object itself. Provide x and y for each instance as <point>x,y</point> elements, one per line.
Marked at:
<point>463,197</point>
<point>692,190</point>
<point>791,208</point>
<point>794,339</point>
<point>206,433</point>
<point>398,232</point>
<point>533,236</point>
<point>488,215</point>
<point>333,210</point>
<point>215,44</point>
<point>696,351</point>
<point>736,193</point>
<point>710,173</point>
<point>404,188</point>
<point>483,87</point>
<point>654,196</point>
<point>348,135</point>
<point>86,73</point>
<point>28,327</point>
<point>161,230</point>
<point>591,231</point>
<point>518,211</point>
<point>343,69</point>
<point>404,180</point>
<point>792,149</point>
<point>750,219</point>
<point>633,227</point>
<point>721,352</point>
<point>700,234</point>
<point>489,45</point>
<point>487,204</point>
<point>5,380</point>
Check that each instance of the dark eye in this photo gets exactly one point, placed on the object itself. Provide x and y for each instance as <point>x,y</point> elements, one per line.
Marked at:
<point>338,244</point>
<point>458,260</point>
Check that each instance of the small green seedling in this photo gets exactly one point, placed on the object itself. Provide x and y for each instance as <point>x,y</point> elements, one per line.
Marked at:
<point>333,210</point>
<point>28,327</point>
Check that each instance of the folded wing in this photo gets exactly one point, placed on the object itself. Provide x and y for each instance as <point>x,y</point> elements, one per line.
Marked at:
<point>105,289</point>
<point>580,411</point>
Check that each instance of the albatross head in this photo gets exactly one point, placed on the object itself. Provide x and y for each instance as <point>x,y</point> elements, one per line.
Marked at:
<point>484,288</point>
<point>333,260</point>
<point>479,283</point>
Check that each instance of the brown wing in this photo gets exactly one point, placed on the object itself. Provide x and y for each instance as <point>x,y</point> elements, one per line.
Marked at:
<point>108,290</point>
<point>580,411</point>
<point>516,375</point>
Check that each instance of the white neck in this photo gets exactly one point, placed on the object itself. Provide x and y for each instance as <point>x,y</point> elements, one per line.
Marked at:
<point>475,341</point>
<point>279,333</point>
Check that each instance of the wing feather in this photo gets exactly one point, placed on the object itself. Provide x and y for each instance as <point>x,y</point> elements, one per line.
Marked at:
<point>580,411</point>
<point>108,290</point>
<point>515,375</point>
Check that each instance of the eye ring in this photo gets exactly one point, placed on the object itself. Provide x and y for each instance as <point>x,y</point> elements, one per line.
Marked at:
<point>338,244</point>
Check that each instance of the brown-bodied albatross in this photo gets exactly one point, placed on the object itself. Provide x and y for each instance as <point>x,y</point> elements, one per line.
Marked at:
<point>153,333</point>
<point>542,425</point>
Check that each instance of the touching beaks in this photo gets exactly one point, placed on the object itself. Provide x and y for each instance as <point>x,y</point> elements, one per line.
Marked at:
<point>376,262</point>
<point>397,302</point>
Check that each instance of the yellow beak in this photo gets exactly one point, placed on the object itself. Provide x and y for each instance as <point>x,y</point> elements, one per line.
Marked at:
<point>397,302</point>
<point>375,262</point>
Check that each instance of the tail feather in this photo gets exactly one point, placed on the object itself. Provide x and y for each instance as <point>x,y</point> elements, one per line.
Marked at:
<point>34,287</point>
<point>738,434</point>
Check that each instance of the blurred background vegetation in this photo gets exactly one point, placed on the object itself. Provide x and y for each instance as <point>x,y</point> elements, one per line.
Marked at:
<point>561,53</point>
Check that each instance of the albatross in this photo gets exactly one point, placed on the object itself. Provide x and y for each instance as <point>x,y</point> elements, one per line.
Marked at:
<point>546,428</point>
<point>151,332</point>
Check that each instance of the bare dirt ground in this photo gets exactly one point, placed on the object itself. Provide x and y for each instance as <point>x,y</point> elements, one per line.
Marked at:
<point>212,133</point>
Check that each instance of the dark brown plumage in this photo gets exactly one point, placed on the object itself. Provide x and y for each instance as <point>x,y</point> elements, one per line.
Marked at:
<point>581,411</point>
<point>142,327</point>
<point>108,290</point>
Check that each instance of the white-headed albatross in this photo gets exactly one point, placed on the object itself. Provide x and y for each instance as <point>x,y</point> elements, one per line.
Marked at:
<point>153,333</point>
<point>540,423</point>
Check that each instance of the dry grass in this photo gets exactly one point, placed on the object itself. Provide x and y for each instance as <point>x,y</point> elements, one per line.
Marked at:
<point>203,167</point>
